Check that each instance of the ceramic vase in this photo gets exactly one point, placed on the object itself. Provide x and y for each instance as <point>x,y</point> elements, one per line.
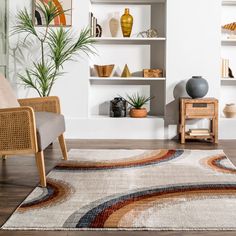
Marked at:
<point>230,110</point>
<point>114,26</point>
<point>197,87</point>
<point>126,23</point>
<point>118,107</point>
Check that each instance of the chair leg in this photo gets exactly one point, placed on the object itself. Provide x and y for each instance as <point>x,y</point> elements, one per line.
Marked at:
<point>4,157</point>
<point>63,146</point>
<point>39,156</point>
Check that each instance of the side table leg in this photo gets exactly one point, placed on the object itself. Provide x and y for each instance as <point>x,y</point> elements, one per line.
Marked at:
<point>182,125</point>
<point>215,129</point>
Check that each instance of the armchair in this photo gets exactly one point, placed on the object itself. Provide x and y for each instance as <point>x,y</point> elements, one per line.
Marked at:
<point>28,126</point>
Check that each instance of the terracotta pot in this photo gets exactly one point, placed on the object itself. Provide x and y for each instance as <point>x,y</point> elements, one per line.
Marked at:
<point>138,113</point>
<point>230,110</point>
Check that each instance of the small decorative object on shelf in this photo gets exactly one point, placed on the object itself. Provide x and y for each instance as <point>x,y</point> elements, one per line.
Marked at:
<point>126,72</point>
<point>118,107</point>
<point>224,68</point>
<point>126,23</point>
<point>230,110</point>
<point>98,31</point>
<point>114,25</point>
<point>95,28</point>
<point>152,73</point>
<point>231,27</point>
<point>92,24</point>
<point>206,108</point>
<point>104,70</point>
<point>231,74</point>
<point>150,33</point>
<point>197,87</point>
<point>137,102</point>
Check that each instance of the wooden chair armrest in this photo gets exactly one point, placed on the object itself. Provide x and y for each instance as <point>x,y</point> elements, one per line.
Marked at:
<point>48,104</point>
<point>17,131</point>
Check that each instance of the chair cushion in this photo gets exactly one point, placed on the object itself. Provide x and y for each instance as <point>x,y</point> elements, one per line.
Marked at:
<point>7,96</point>
<point>49,127</point>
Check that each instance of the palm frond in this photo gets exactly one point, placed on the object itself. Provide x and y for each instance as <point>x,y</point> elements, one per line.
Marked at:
<point>24,23</point>
<point>137,101</point>
<point>83,44</point>
<point>63,48</point>
<point>59,42</point>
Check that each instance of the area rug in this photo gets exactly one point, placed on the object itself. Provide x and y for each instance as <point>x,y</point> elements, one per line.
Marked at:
<point>134,190</point>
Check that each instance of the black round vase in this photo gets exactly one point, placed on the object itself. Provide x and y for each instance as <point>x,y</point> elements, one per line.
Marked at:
<point>197,87</point>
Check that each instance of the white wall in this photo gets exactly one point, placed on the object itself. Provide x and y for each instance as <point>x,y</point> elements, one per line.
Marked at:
<point>192,49</point>
<point>193,40</point>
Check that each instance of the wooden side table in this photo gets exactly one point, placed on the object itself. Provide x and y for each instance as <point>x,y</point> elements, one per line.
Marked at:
<point>206,108</point>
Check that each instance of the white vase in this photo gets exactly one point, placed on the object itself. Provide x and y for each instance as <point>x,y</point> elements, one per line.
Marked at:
<point>230,110</point>
<point>114,25</point>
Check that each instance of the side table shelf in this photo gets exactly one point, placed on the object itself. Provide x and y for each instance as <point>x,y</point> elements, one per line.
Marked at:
<point>206,108</point>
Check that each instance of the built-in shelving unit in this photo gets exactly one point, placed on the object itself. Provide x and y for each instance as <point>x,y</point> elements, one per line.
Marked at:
<point>127,1</point>
<point>128,40</point>
<point>228,51</point>
<point>126,79</point>
<point>229,79</point>
<point>137,52</point>
<point>228,2</point>
<point>127,118</point>
<point>228,41</point>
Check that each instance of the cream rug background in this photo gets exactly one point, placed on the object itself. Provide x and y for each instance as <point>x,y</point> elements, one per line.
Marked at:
<point>134,190</point>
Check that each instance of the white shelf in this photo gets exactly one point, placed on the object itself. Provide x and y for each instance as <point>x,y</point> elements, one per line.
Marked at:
<point>228,2</point>
<point>222,118</point>
<point>125,118</point>
<point>228,41</point>
<point>125,79</point>
<point>127,40</point>
<point>127,1</point>
<point>228,79</point>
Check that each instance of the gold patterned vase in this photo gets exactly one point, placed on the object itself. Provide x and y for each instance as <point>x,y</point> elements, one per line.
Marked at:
<point>126,22</point>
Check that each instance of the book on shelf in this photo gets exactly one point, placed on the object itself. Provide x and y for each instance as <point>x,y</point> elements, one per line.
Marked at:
<point>92,24</point>
<point>224,68</point>
<point>199,132</point>
<point>203,134</point>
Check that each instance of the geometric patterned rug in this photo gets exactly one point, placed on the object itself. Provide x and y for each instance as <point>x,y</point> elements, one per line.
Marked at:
<point>133,190</point>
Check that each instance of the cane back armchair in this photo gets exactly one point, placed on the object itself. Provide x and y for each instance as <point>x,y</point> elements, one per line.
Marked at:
<point>28,126</point>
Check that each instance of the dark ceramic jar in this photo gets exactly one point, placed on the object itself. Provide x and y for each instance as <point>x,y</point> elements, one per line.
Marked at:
<point>197,87</point>
<point>118,107</point>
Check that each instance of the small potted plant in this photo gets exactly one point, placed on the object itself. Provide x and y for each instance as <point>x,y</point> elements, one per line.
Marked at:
<point>137,102</point>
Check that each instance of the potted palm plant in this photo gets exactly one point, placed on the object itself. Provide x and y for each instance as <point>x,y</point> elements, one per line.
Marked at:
<point>56,46</point>
<point>137,101</point>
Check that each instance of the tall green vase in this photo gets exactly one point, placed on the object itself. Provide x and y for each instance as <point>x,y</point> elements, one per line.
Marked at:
<point>126,22</point>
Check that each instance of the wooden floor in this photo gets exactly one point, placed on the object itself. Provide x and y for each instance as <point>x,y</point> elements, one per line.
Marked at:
<point>18,177</point>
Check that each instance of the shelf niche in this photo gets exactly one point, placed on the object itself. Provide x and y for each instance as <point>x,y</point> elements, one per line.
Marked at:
<point>127,1</point>
<point>138,53</point>
<point>228,51</point>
